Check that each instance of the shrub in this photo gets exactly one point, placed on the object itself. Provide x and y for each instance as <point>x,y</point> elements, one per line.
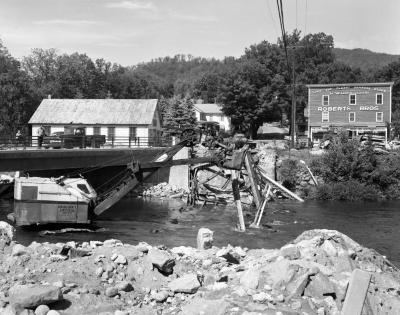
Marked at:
<point>352,191</point>
<point>288,171</point>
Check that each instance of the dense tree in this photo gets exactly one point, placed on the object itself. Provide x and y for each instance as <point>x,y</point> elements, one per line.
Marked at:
<point>17,99</point>
<point>253,89</point>
<point>180,115</point>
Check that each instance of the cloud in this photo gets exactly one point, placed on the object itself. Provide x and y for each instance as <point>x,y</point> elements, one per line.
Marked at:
<point>66,22</point>
<point>192,18</point>
<point>132,5</point>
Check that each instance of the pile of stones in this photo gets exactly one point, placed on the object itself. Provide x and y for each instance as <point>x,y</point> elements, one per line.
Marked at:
<point>310,275</point>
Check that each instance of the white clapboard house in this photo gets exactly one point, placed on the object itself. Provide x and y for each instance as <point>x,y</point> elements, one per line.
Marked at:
<point>212,112</point>
<point>137,121</point>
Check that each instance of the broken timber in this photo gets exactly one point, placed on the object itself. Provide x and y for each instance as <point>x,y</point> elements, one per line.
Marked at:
<point>252,179</point>
<point>236,197</point>
<point>356,292</point>
<point>285,190</point>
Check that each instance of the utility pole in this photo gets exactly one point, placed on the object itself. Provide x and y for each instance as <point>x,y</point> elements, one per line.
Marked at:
<point>293,119</point>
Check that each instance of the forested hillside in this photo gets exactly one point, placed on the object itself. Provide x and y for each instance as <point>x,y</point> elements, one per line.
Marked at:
<point>252,89</point>
<point>364,58</point>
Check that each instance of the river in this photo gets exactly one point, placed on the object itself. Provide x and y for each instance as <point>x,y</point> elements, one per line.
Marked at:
<point>372,224</point>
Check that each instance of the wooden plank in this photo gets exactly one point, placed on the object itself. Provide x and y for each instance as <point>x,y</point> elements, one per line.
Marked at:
<point>285,190</point>
<point>264,204</point>
<point>356,292</point>
<point>236,197</point>
<point>253,180</point>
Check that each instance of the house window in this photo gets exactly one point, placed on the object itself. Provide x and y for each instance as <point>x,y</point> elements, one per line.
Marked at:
<point>379,99</point>
<point>352,99</point>
<point>132,132</point>
<point>96,131</point>
<point>110,133</point>
<point>325,100</point>
<point>352,117</point>
<point>325,116</point>
<point>379,117</point>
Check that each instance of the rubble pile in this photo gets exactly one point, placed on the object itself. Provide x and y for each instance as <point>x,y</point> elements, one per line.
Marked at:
<point>307,276</point>
<point>164,190</point>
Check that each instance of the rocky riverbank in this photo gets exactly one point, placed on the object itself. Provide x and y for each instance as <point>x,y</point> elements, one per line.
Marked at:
<point>307,276</point>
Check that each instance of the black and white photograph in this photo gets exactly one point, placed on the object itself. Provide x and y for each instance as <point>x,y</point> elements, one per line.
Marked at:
<point>187,157</point>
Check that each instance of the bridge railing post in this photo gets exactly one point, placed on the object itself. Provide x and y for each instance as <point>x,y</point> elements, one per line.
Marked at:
<point>129,141</point>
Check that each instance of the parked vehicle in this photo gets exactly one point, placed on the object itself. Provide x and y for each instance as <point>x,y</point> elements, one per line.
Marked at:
<point>53,141</point>
<point>78,139</point>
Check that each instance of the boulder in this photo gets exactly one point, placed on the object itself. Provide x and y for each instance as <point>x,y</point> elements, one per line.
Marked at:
<point>204,238</point>
<point>121,260</point>
<point>319,287</point>
<point>111,292</point>
<point>204,306</point>
<point>296,287</point>
<point>19,250</point>
<point>250,279</point>
<point>185,284</point>
<point>75,252</point>
<point>42,310</point>
<point>53,312</point>
<point>290,251</point>
<point>124,286</point>
<point>160,296</point>
<point>229,254</point>
<point>161,260</point>
<point>262,297</point>
<point>30,296</point>
<point>6,231</point>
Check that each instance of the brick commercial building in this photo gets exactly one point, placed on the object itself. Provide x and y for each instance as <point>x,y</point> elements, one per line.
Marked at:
<point>360,108</point>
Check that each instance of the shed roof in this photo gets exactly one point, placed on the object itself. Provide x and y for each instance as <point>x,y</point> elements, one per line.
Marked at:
<point>211,108</point>
<point>95,111</point>
<point>333,85</point>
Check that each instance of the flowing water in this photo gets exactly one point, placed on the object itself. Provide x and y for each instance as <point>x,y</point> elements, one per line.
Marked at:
<point>170,222</point>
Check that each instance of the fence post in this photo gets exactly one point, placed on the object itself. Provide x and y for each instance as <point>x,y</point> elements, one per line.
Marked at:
<point>138,141</point>
<point>129,141</point>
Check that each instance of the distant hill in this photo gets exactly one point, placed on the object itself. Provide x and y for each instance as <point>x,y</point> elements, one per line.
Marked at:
<point>364,58</point>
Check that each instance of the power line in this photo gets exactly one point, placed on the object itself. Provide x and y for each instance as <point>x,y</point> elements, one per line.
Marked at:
<point>272,17</point>
<point>283,31</point>
<point>305,19</point>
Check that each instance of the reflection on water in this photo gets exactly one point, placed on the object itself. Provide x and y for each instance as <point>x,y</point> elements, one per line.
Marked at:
<point>169,222</point>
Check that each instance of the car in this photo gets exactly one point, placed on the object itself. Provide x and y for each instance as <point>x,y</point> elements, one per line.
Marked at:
<point>54,141</point>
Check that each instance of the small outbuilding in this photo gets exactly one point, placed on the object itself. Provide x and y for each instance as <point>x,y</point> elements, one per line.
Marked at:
<point>137,121</point>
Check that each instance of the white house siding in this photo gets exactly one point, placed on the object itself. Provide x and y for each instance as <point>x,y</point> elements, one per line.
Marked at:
<point>56,129</point>
<point>121,134</point>
<point>89,130</point>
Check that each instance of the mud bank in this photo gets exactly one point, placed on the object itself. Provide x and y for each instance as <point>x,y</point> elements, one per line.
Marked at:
<point>307,276</point>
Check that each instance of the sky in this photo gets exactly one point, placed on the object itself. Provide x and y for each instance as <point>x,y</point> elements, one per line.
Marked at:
<point>133,31</point>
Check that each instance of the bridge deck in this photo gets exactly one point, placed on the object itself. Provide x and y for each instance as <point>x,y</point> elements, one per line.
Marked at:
<point>36,160</point>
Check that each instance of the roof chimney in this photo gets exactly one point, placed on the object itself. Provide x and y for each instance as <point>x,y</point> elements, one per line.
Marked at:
<point>49,96</point>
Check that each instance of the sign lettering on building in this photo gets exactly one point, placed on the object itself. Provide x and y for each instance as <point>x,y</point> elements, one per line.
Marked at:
<point>345,108</point>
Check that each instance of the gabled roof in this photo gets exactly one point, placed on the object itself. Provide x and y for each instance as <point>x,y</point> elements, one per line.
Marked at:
<point>95,111</point>
<point>208,108</point>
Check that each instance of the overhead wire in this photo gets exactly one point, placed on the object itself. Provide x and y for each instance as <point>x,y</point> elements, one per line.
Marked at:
<point>305,19</point>
<point>282,24</point>
<point>272,18</point>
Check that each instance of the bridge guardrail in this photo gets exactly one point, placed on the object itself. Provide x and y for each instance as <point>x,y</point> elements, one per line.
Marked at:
<point>32,142</point>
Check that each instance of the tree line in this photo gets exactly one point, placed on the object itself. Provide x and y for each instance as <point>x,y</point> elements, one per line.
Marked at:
<point>252,89</point>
